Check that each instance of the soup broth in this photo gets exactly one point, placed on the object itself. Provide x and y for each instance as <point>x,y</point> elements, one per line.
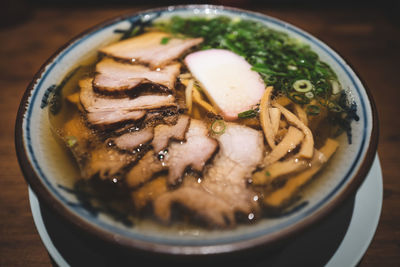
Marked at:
<point>207,122</point>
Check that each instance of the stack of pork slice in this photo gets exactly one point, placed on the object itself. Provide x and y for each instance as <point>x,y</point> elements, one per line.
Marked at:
<point>136,77</point>
<point>153,144</point>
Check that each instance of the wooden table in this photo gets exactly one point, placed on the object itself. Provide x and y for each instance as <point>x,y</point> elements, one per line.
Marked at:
<point>368,38</point>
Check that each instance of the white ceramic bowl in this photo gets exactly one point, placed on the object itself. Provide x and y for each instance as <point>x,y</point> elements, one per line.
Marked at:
<point>47,173</point>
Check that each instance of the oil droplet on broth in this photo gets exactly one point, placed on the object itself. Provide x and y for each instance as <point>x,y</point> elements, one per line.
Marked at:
<point>250,216</point>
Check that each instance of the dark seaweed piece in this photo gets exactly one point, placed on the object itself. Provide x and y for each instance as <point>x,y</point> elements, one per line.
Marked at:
<point>137,26</point>
<point>45,98</point>
<point>344,122</point>
<point>96,195</point>
<point>52,96</point>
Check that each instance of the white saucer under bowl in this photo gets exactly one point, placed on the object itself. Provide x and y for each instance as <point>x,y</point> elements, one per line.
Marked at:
<point>364,213</point>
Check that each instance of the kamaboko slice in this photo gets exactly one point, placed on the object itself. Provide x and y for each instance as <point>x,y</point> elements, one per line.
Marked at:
<point>227,80</point>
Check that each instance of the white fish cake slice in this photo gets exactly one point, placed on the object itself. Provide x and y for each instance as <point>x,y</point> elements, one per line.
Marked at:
<point>227,79</point>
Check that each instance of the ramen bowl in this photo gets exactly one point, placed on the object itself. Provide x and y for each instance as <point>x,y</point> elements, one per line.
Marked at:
<point>48,168</point>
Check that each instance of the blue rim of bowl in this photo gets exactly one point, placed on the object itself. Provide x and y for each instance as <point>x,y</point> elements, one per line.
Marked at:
<point>190,246</point>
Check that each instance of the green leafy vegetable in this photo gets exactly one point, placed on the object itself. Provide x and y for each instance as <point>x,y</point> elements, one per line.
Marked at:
<point>251,113</point>
<point>299,98</point>
<point>165,40</point>
<point>313,110</point>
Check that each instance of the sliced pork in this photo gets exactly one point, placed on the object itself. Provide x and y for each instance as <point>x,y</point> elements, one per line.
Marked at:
<point>93,102</point>
<point>241,150</point>
<point>163,133</point>
<point>223,190</point>
<point>144,169</point>
<point>93,156</point>
<point>214,210</point>
<point>149,191</point>
<point>166,116</point>
<point>154,48</point>
<point>115,77</point>
<point>132,140</point>
<point>195,152</point>
<point>107,110</point>
<point>108,117</point>
<point>106,162</point>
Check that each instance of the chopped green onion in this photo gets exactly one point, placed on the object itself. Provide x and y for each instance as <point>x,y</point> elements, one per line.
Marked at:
<point>218,127</point>
<point>165,40</point>
<point>251,113</point>
<point>267,173</point>
<point>299,98</point>
<point>309,95</point>
<point>71,141</point>
<point>302,86</point>
<point>265,70</point>
<point>313,110</point>
<point>334,107</point>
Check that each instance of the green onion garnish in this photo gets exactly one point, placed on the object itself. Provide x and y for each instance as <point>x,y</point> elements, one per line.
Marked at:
<point>334,107</point>
<point>251,113</point>
<point>218,127</point>
<point>165,40</point>
<point>299,98</point>
<point>313,110</point>
<point>302,86</point>
<point>309,95</point>
<point>71,141</point>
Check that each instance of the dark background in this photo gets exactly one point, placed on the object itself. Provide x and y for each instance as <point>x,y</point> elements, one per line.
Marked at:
<point>16,11</point>
<point>10,9</point>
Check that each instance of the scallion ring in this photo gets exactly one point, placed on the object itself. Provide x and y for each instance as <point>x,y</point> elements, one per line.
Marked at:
<point>302,86</point>
<point>334,107</point>
<point>313,110</point>
<point>218,127</point>
<point>271,79</point>
<point>309,95</point>
<point>299,98</point>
